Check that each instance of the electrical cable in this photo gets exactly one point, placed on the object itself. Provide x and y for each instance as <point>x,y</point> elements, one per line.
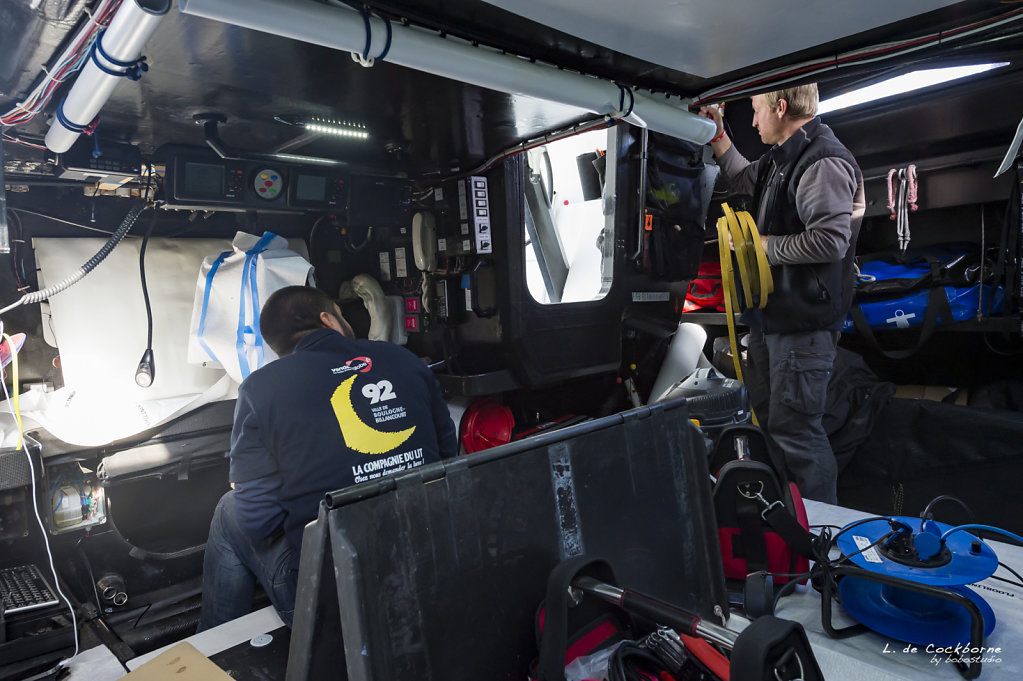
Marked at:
<point>61,220</point>
<point>18,140</point>
<point>145,374</point>
<point>870,54</point>
<point>826,542</point>
<point>1000,353</point>
<point>1015,574</point>
<point>926,514</point>
<point>352,248</point>
<point>17,263</point>
<point>789,586</point>
<point>70,60</point>
<point>603,122</point>
<point>15,412</point>
<point>315,227</point>
<point>983,528</point>
<point>73,278</point>
<point>92,577</point>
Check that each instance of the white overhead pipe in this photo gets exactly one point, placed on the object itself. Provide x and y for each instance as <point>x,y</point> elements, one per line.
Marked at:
<point>343,28</point>
<point>120,44</point>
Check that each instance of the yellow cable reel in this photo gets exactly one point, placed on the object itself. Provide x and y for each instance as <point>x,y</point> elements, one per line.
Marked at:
<point>750,266</point>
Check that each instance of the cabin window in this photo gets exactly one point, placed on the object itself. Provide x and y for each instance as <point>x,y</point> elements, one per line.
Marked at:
<point>568,240</point>
<point>908,82</point>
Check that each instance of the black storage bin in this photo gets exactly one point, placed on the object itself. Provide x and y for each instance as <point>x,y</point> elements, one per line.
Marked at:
<point>919,449</point>
<point>437,574</point>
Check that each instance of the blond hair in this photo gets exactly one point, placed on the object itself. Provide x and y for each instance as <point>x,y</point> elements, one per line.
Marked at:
<point>802,100</point>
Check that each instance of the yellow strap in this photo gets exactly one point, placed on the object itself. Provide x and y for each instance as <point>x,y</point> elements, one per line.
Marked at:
<point>751,267</point>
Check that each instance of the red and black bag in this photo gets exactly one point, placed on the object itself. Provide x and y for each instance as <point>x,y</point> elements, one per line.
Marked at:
<point>566,631</point>
<point>762,523</point>
<point>570,627</point>
<point>706,292</point>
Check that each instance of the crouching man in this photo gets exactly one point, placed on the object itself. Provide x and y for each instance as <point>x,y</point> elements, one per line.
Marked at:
<point>331,412</point>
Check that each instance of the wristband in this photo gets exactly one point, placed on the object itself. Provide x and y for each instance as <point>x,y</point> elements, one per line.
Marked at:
<point>719,135</point>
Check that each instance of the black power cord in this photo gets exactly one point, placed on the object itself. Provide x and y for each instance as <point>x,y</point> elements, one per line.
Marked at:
<point>146,371</point>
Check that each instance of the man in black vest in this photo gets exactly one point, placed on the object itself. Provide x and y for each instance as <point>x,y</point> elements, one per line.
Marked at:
<point>809,202</point>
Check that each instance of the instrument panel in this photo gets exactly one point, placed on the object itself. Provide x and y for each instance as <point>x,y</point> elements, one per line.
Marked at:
<point>198,179</point>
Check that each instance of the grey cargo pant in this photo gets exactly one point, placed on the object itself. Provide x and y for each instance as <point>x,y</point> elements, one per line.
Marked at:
<point>787,379</point>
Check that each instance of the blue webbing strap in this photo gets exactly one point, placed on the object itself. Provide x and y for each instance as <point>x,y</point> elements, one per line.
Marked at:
<point>66,122</point>
<point>206,303</point>
<point>249,274</point>
<point>132,69</point>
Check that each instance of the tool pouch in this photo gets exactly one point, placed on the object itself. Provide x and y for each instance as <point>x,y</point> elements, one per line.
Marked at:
<point>678,192</point>
<point>762,524</point>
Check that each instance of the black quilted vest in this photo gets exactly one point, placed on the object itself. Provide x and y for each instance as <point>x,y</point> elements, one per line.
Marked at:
<point>812,296</point>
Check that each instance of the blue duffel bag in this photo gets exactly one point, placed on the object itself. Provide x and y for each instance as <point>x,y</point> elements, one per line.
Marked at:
<point>919,290</point>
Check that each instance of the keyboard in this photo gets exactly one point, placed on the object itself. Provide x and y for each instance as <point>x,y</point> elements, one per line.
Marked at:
<point>24,588</point>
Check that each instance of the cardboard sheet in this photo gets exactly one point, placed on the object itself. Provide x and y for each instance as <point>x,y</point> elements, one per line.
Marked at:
<point>935,393</point>
<point>181,663</point>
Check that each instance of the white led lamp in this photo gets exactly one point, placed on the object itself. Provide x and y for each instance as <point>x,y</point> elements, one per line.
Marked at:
<point>326,126</point>
<point>114,55</point>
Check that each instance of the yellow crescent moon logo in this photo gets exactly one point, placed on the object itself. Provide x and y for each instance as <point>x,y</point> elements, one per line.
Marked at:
<point>358,435</point>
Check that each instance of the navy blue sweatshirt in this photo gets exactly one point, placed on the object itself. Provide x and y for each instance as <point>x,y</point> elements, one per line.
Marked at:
<point>335,412</point>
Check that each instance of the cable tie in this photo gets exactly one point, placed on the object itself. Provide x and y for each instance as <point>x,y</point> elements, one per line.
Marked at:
<point>364,59</point>
<point>132,70</point>
<point>387,43</point>
<point>369,35</point>
<point>622,112</point>
<point>63,120</point>
<point>97,44</point>
<point>93,20</point>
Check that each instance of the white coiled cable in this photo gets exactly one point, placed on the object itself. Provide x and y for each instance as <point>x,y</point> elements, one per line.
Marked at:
<point>38,296</point>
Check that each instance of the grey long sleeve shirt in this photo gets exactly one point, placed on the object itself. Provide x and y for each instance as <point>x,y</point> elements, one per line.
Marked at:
<point>825,202</point>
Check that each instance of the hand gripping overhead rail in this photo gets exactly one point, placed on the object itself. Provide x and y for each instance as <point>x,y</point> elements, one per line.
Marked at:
<point>115,53</point>
<point>343,28</point>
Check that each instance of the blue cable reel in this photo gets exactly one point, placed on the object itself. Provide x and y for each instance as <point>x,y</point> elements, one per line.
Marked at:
<point>921,568</point>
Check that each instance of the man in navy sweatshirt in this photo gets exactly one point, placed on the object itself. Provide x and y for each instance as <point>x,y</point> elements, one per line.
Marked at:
<point>331,412</point>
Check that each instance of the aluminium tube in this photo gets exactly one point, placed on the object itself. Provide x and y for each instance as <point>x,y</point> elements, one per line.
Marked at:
<point>681,620</point>
<point>343,28</point>
<point>123,40</point>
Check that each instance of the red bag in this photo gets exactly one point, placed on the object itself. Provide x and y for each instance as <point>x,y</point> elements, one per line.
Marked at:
<point>705,292</point>
<point>572,631</point>
<point>762,523</point>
